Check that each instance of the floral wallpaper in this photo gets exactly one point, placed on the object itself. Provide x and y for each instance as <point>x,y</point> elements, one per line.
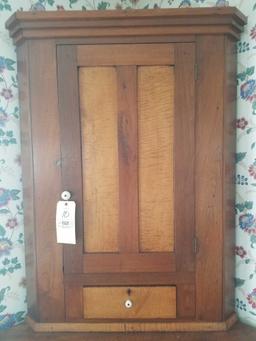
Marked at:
<point>12,268</point>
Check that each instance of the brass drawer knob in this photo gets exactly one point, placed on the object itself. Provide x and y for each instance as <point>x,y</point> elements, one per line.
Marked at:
<point>128,304</point>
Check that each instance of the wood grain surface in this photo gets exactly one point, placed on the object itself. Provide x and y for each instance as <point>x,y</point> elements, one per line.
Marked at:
<point>121,54</point>
<point>133,23</point>
<point>229,168</point>
<point>129,262</point>
<point>184,156</point>
<point>98,102</point>
<point>147,302</point>
<point>209,175</point>
<point>155,150</point>
<point>47,180</point>
<point>28,180</point>
<point>131,154</point>
<point>128,158</point>
<point>135,326</point>
<point>70,144</point>
<point>239,332</point>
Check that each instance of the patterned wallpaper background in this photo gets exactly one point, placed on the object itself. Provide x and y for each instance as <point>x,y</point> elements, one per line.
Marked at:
<point>12,268</point>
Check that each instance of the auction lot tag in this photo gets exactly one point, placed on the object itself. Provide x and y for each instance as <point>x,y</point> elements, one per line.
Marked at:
<point>65,222</point>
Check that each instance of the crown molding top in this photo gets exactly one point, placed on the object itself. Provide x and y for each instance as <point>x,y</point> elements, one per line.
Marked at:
<point>132,23</point>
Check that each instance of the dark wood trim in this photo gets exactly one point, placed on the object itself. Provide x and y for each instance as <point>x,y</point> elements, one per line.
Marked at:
<point>128,159</point>
<point>129,262</point>
<point>91,18</point>
<point>126,40</point>
<point>28,179</point>
<point>229,168</point>
<point>121,54</point>
<point>186,300</point>
<point>71,172</point>
<point>184,156</point>
<point>74,302</point>
<point>179,325</point>
<point>137,278</point>
<point>75,24</point>
<point>46,154</point>
<point>209,177</point>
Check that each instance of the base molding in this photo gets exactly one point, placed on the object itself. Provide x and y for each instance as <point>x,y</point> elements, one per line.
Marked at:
<point>188,326</point>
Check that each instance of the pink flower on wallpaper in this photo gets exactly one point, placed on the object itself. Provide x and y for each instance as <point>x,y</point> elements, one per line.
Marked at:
<point>6,93</point>
<point>241,123</point>
<point>252,170</point>
<point>252,298</point>
<point>240,251</point>
<point>12,223</point>
<point>253,32</point>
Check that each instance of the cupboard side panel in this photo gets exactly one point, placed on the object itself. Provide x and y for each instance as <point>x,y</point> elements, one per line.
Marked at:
<point>47,189</point>
<point>229,176</point>
<point>209,165</point>
<point>27,179</point>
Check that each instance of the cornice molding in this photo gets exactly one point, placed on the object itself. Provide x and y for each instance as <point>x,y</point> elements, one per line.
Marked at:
<point>132,23</point>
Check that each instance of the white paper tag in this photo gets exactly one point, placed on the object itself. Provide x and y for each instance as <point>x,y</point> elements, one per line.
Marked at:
<point>65,222</point>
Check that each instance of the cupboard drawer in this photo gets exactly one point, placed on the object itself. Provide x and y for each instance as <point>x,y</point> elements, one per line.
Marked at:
<point>130,302</point>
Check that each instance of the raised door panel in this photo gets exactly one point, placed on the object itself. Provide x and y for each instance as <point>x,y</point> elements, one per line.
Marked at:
<point>111,209</point>
<point>155,165</point>
<point>98,108</point>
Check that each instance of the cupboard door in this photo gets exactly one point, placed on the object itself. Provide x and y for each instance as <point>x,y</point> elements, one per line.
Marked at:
<point>127,125</point>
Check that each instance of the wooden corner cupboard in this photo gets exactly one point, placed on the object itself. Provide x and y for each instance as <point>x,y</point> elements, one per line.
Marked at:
<point>132,112</point>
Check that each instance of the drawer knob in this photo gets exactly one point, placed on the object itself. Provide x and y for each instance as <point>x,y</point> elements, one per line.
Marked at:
<point>128,304</point>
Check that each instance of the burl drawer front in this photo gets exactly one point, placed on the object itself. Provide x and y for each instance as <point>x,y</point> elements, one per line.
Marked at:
<point>130,302</point>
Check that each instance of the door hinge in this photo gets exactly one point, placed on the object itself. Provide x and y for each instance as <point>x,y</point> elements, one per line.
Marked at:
<point>196,72</point>
<point>195,245</point>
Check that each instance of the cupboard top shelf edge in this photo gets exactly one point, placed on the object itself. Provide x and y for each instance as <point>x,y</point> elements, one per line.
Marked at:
<point>109,23</point>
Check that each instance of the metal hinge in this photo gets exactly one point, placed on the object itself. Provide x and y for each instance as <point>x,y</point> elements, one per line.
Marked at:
<point>196,72</point>
<point>195,245</point>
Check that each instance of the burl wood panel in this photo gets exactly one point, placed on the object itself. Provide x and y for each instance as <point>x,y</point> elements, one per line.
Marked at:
<point>27,179</point>
<point>229,144</point>
<point>47,177</point>
<point>209,174</point>
<point>155,150</point>
<point>98,101</point>
<point>147,302</point>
